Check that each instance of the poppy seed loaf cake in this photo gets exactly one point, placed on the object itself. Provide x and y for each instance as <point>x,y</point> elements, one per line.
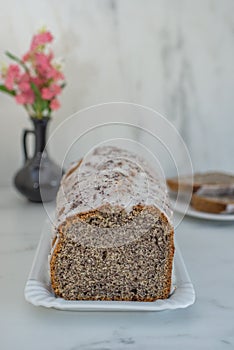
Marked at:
<point>114,238</point>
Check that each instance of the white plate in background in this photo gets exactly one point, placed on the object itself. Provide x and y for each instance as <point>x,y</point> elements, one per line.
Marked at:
<point>38,289</point>
<point>180,205</point>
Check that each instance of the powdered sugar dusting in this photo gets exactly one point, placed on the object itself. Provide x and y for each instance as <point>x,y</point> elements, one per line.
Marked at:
<point>110,175</point>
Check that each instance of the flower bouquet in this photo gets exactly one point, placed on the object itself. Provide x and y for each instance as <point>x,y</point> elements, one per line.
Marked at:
<point>35,80</point>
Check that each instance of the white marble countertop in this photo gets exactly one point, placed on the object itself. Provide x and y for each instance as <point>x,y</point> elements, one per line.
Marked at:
<point>208,251</point>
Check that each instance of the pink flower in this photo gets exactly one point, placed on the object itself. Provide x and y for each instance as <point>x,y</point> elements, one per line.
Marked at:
<point>50,92</point>
<point>37,81</point>
<point>42,60</point>
<point>39,76</point>
<point>40,39</point>
<point>24,86</point>
<point>24,82</point>
<point>26,56</point>
<point>12,75</point>
<point>54,104</point>
<point>43,65</point>
<point>57,75</point>
<point>25,98</point>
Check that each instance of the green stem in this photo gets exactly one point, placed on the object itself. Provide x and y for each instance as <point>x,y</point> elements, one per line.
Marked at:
<point>3,88</point>
<point>18,60</point>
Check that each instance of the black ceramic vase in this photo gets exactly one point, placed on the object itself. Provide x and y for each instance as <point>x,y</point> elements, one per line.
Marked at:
<point>40,177</point>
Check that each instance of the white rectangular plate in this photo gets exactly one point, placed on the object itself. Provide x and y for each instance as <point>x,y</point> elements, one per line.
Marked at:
<point>38,289</point>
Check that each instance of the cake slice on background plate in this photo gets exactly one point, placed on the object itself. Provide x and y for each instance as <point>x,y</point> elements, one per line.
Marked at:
<point>213,192</point>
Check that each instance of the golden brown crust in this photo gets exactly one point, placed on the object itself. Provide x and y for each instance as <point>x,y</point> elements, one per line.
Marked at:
<point>73,169</point>
<point>53,241</point>
<point>57,249</point>
<point>170,264</point>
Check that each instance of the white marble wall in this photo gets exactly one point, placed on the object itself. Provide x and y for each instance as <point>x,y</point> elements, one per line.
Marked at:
<point>176,56</point>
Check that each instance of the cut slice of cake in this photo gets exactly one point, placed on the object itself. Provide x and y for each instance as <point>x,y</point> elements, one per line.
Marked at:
<point>214,200</point>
